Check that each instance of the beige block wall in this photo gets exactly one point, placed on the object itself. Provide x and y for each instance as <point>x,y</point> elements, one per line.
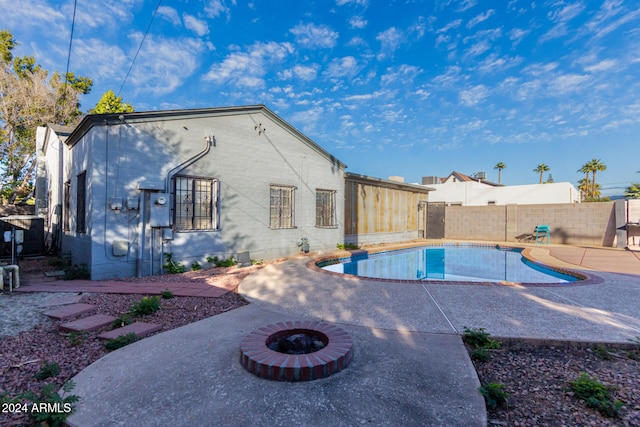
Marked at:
<point>575,223</point>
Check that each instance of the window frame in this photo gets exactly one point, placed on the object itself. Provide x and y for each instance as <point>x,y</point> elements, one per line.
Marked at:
<point>81,202</point>
<point>66,206</point>
<point>194,220</point>
<point>321,214</point>
<point>279,222</point>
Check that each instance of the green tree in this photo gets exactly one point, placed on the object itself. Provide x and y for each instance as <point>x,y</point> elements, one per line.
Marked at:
<point>633,191</point>
<point>499,166</point>
<point>595,165</point>
<point>584,184</point>
<point>110,103</point>
<point>30,97</point>
<point>542,168</point>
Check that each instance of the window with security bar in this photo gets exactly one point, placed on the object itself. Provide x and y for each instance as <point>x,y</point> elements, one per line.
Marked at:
<point>325,208</point>
<point>81,200</point>
<point>281,207</point>
<point>195,203</point>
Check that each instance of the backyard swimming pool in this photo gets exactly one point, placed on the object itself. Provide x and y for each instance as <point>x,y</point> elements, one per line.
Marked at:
<point>461,263</point>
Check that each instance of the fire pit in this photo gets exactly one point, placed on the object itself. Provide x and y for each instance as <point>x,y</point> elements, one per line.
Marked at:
<point>296,351</point>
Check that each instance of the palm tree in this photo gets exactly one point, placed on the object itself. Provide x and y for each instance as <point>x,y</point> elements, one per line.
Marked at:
<point>541,168</point>
<point>633,191</point>
<point>595,165</point>
<point>585,182</point>
<point>499,166</point>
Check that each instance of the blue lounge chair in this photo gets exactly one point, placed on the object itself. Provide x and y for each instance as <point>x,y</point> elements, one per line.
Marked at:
<point>542,234</point>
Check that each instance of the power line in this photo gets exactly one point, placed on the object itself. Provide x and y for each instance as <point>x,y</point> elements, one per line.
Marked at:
<point>73,24</point>
<point>139,47</point>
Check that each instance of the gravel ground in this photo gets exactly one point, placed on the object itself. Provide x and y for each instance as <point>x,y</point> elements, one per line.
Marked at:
<point>535,376</point>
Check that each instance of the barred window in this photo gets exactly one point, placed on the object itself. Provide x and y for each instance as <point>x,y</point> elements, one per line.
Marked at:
<point>325,208</point>
<point>281,207</point>
<point>195,203</point>
<point>81,200</point>
<point>67,206</point>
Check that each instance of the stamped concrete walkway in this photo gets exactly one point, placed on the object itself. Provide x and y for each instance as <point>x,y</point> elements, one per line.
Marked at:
<point>409,366</point>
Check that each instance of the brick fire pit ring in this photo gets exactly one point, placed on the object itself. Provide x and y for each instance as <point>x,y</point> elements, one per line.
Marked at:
<point>260,360</point>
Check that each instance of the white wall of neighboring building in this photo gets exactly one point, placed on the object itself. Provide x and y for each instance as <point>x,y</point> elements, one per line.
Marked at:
<point>480,194</point>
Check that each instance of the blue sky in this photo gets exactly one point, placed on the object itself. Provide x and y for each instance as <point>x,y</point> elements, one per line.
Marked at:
<point>411,88</point>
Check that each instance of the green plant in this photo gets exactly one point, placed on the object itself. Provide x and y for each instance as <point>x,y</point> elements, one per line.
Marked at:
<point>221,263</point>
<point>77,272</point>
<point>494,394</point>
<point>595,395</point>
<point>479,338</point>
<point>147,305</point>
<point>167,294</point>
<point>634,353</point>
<point>122,320</point>
<point>48,370</point>
<point>121,341</point>
<point>196,266</point>
<point>48,407</point>
<point>257,262</point>
<point>603,352</point>
<point>172,266</point>
<point>347,246</point>
<point>480,354</point>
<point>76,338</point>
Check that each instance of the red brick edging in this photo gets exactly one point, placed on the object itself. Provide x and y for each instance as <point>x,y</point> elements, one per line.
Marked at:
<point>259,359</point>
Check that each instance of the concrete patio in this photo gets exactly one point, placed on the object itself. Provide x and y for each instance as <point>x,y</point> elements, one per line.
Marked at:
<point>409,368</point>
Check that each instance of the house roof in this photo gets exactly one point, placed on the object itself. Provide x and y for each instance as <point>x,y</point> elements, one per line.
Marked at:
<point>93,120</point>
<point>386,183</point>
<point>466,178</point>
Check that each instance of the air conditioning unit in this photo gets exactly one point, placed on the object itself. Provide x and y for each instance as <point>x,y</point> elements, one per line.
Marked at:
<point>481,175</point>
<point>428,180</point>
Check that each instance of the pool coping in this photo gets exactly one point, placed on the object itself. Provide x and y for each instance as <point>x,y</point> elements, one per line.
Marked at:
<point>584,278</point>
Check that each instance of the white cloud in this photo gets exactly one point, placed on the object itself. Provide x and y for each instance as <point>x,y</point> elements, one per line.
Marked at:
<point>404,74</point>
<point>364,97</point>
<point>390,40</point>
<point>247,69</point>
<point>477,49</point>
<point>493,63</point>
<point>215,8</point>
<point>357,22</point>
<point>480,18</point>
<point>196,25</point>
<point>473,96</point>
<point>561,17</point>
<point>170,14</point>
<point>423,94</point>
<point>303,72</point>
<point>356,2</point>
<point>517,34</point>
<point>450,26</point>
<point>466,5</point>
<point>342,67</point>
<point>568,83</point>
<point>314,36</point>
<point>604,65</point>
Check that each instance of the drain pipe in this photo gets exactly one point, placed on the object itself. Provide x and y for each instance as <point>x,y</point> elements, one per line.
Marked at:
<point>142,225</point>
<point>209,142</point>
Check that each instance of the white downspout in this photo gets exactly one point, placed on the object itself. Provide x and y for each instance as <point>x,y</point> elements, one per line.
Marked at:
<point>142,225</point>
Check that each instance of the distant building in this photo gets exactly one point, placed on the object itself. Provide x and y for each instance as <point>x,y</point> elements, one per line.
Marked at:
<point>459,189</point>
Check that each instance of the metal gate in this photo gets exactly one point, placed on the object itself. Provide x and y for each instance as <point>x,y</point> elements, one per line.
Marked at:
<point>434,220</point>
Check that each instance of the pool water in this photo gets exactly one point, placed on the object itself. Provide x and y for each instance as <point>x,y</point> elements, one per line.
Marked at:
<point>449,263</point>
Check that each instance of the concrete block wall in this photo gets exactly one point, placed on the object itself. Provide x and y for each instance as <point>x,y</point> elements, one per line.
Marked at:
<point>576,224</point>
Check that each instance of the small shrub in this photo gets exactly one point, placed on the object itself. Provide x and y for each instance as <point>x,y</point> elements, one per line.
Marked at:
<point>172,266</point>
<point>145,306</point>
<point>603,352</point>
<point>77,272</point>
<point>166,294</point>
<point>196,266</point>
<point>257,262</point>
<point>595,395</point>
<point>494,395</point>
<point>634,353</point>
<point>77,338</point>
<point>121,341</point>
<point>48,370</point>
<point>480,354</point>
<point>122,320</point>
<point>479,338</point>
<point>221,263</point>
<point>53,410</point>
<point>347,246</point>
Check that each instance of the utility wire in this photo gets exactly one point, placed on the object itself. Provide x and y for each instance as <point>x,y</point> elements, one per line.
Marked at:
<point>140,47</point>
<point>73,24</point>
